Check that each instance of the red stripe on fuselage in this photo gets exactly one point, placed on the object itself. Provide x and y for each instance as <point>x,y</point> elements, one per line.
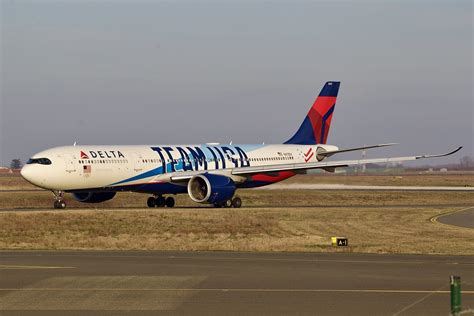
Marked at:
<point>282,175</point>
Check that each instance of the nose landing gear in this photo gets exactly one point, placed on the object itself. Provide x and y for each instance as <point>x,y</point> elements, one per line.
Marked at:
<point>160,201</point>
<point>59,202</point>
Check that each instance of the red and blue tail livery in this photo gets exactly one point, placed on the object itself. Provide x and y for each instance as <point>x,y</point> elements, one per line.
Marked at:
<point>209,173</point>
<point>315,127</point>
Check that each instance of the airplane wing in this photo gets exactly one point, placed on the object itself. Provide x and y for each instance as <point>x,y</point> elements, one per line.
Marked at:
<point>330,165</point>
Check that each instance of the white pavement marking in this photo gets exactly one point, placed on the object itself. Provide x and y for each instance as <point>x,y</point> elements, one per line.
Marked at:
<point>316,186</point>
<point>21,267</point>
<point>417,302</point>
<point>240,290</point>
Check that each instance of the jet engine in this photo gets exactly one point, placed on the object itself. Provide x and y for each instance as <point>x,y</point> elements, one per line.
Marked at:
<point>93,197</point>
<point>211,188</point>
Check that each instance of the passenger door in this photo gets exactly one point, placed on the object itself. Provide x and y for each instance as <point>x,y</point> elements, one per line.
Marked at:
<point>137,162</point>
<point>70,163</point>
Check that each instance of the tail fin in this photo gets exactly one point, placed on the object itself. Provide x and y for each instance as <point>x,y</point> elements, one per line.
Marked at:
<point>315,127</point>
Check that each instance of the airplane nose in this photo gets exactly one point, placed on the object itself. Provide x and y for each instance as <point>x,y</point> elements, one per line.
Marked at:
<point>28,173</point>
<point>25,171</point>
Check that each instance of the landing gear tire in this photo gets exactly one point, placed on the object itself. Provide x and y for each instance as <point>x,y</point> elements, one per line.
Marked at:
<point>59,204</point>
<point>160,201</point>
<point>236,202</point>
<point>151,202</point>
<point>169,201</point>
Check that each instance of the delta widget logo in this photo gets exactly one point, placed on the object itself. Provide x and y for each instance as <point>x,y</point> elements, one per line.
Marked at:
<point>84,155</point>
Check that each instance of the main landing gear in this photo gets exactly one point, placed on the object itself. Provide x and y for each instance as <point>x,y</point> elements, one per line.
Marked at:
<point>235,202</point>
<point>59,202</point>
<point>160,201</point>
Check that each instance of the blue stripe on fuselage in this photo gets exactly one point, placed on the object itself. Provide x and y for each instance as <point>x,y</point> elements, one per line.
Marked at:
<point>160,187</point>
<point>204,152</point>
<point>151,173</point>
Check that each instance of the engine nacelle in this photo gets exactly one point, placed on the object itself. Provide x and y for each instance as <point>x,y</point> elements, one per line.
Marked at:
<point>93,197</point>
<point>210,188</point>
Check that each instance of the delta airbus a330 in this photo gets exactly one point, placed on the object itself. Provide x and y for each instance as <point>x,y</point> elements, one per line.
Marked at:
<point>209,173</point>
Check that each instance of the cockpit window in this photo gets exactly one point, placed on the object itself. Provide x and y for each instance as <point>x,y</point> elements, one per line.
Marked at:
<point>41,161</point>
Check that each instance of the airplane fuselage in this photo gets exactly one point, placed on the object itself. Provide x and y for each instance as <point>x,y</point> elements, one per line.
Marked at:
<point>148,168</point>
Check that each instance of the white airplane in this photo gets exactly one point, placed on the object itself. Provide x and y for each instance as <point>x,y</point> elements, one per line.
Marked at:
<point>210,173</point>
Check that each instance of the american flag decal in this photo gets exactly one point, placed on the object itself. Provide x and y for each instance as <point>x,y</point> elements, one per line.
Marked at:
<point>87,169</point>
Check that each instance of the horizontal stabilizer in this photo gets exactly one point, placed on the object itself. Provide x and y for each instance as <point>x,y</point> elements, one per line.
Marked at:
<point>323,153</point>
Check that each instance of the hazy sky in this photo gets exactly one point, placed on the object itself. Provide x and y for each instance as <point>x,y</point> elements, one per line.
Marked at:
<point>132,72</point>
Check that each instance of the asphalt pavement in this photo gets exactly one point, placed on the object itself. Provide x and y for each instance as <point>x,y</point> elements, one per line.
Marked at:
<point>229,283</point>
<point>462,218</point>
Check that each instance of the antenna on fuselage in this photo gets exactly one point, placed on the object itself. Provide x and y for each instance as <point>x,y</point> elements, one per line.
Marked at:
<point>74,144</point>
<point>230,143</point>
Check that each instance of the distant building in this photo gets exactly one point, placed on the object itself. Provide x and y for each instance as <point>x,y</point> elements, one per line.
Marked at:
<point>5,170</point>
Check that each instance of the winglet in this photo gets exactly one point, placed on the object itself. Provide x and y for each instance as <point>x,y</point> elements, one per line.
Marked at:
<point>440,155</point>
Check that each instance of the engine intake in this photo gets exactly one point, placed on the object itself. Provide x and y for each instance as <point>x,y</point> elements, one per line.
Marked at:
<point>93,197</point>
<point>210,188</point>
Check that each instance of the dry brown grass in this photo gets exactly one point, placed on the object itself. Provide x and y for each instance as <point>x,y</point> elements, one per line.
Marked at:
<point>254,198</point>
<point>404,179</point>
<point>404,229</point>
<point>277,220</point>
<point>371,230</point>
<point>16,182</point>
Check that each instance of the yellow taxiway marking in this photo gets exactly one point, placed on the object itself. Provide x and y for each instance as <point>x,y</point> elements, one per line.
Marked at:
<point>239,290</point>
<point>434,219</point>
<point>20,267</point>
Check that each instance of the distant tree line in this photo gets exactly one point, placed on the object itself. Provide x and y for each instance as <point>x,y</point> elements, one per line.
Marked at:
<point>466,163</point>
<point>16,164</point>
